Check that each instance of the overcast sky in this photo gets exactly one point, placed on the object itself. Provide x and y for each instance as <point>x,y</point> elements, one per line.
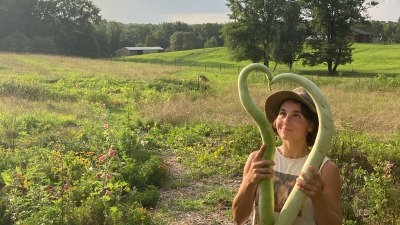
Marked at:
<point>199,11</point>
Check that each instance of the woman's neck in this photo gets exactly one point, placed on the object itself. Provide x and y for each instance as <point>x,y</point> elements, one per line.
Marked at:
<point>293,150</point>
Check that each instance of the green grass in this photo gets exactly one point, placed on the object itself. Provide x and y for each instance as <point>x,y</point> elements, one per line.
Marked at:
<point>376,58</point>
<point>161,117</point>
<point>368,59</point>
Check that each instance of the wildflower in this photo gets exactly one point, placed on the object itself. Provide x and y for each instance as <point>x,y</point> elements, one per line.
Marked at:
<point>389,169</point>
<point>67,187</point>
<point>108,176</point>
<point>105,126</point>
<point>107,192</point>
<point>102,158</point>
<point>111,152</point>
<point>144,143</point>
<point>104,106</point>
<point>98,175</point>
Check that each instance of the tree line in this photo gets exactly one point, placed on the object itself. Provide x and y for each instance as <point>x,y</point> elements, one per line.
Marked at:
<point>313,31</point>
<point>283,31</point>
<point>74,27</point>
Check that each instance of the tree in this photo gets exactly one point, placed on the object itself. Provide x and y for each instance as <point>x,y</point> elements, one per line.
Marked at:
<point>184,41</point>
<point>102,38</point>
<point>211,43</point>
<point>209,31</point>
<point>291,35</point>
<point>397,34</point>
<point>161,37</point>
<point>242,43</point>
<point>15,42</point>
<point>389,31</point>
<point>72,24</point>
<point>140,32</point>
<point>330,22</point>
<point>19,18</point>
<point>252,33</point>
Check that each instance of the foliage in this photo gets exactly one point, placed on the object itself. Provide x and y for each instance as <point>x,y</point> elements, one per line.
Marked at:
<point>59,185</point>
<point>18,16</point>
<point>75,27</point>
<point>291,36</point>
<point>253,32</point>
<point>201,145</point>
<point>184,41</point>
<point>242,43</point>
<point>331,23</point>
<point>211,43</point>
<point>67,158</point>
<point>367,180</point>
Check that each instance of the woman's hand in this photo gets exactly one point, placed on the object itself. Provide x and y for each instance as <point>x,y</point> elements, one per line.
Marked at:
<point>324,190</point>
<point>255,170</point>
<point>310,183</point>
<point>259,169</point>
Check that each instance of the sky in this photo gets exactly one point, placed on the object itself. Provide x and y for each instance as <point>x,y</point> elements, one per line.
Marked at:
<point>199,11</point>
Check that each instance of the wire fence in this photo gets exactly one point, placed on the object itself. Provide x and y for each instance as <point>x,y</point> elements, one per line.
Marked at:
<point>371,78</point>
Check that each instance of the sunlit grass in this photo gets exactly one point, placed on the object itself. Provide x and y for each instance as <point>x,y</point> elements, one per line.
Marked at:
<point>60,95</point>
<point>367,59</point>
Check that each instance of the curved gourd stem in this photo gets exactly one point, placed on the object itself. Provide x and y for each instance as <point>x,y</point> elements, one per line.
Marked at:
<point>265,187</point>
<point>296,198</point>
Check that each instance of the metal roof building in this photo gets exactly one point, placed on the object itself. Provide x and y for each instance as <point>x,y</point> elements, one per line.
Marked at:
<point>127,51</point>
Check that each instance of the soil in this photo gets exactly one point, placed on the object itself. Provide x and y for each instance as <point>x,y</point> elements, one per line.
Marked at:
<point>220,215</point>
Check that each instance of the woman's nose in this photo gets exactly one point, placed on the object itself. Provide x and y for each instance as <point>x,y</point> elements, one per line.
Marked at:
<point>286,120</point>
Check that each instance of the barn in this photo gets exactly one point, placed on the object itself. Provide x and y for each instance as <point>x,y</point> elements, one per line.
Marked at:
<point>127,51</point>
<point>361,36</point>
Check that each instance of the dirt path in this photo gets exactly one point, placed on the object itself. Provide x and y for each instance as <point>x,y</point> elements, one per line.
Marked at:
<point>192,189</point>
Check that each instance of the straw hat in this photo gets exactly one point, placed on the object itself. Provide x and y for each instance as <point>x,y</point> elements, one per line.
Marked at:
<point>274,101</point>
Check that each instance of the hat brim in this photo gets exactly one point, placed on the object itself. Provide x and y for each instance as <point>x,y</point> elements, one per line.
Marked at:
<point>275,100</point>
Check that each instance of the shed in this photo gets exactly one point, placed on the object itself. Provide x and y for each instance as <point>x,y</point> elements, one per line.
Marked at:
<point>127,51</point>
<point>361,36</point>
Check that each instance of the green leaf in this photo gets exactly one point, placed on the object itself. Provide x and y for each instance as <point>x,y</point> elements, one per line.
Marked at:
<point>6,176</point>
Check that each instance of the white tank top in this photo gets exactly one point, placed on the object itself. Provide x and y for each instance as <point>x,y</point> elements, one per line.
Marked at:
<point>286,172</point>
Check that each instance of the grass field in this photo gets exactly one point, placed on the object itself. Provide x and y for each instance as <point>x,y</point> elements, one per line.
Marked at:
<point>181,143</point>
<point>367,59</point>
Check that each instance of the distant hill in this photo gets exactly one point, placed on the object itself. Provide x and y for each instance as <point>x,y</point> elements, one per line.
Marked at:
<point>368,59</point>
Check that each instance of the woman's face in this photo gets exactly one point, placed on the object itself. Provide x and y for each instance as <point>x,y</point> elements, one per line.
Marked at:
<point>291,125</point>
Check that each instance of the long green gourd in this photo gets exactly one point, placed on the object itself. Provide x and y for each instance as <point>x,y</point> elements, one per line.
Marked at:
<point>319,150</point>
<point>296,198</point>
<point>266,193</point>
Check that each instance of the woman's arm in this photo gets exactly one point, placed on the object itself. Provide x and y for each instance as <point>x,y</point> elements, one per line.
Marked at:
<point>255,170</point>
<point>324,190</point>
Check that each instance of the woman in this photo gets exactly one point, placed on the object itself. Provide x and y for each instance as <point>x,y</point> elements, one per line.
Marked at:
<point>294,119</point>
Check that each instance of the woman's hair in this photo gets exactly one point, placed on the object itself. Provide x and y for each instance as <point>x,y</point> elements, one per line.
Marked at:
<point>310,116</point>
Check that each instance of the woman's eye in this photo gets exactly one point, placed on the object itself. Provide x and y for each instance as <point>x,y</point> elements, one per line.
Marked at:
<point>296,116</point>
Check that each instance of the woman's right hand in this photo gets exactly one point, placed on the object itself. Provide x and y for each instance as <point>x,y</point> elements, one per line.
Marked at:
<point>259,169</point>
<point>255,170</point>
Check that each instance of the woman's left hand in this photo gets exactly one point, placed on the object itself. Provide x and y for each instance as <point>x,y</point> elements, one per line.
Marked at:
<point>310,183</point>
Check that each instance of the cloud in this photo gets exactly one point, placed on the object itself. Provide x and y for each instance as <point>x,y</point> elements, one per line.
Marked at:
<point>386,10</point>
<point>197,18</point>
<point>157,11</point>
<point>199,11</point>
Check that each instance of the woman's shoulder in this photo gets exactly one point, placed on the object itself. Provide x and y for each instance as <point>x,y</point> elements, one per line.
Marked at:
<point>329,168</point>
<point>329,164</point>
